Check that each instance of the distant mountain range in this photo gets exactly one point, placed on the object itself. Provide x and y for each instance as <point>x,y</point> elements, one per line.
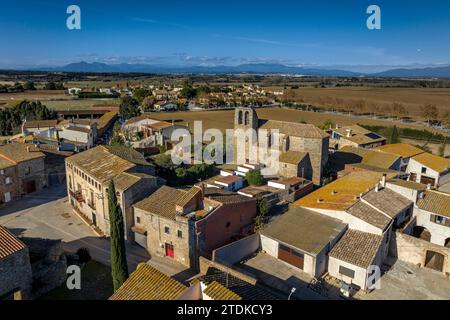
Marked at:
<point>257,68</point>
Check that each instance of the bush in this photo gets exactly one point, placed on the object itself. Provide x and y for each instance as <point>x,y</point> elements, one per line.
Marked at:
<point>254,178</point>
<point>83,255</point>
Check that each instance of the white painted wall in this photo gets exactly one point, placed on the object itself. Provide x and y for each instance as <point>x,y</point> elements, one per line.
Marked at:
<point>439,233</point>
<point>360,273</point>
<point>270,246</point>
<point>353,222</point>
<point>416,167</point>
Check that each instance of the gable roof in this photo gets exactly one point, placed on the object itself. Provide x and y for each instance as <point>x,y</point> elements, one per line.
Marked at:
<point>404,150</point>
<point>388,201</point>
<point>306,230</point>
<point>18,152</point>
<point>162,202</point>
<point>435,202</point>
<point>148,283</point>
<point>292,157</point>
<point>359,135</point>
<point>408,184</point>
<point>294,129</point>
<point>368,214</point>
<point>372,157</point>
<point>436,163</point>
<point>342,193</point>
<point>216,291</point>
<point>9,243</point>
<point>105,163</point>
<point>233,281</point>
<point>357,248</point>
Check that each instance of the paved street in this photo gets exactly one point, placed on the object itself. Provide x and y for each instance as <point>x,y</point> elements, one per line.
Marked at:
<point>47,214</point>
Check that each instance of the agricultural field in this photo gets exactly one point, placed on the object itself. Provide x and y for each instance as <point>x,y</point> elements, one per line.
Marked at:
<point>54,99</point>
<point>224,119</point>
<point>413,99</point>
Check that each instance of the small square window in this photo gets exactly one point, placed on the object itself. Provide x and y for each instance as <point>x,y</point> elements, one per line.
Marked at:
<point>166,230</point>
<point>138,219</point>
<point>180,234</point>
<point>440,220</point>
<point>424,170</point>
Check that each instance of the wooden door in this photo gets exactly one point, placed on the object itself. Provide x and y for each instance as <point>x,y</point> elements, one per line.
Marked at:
<point>291,256</point>
<point>170,252</point>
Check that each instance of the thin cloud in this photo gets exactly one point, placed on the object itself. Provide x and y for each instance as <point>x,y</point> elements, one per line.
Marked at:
<point>153,21</point>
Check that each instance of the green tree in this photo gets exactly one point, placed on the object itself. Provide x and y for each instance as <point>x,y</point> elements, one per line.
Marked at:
<point>254,177</point>
<point>129,108</point>
<point>441,151</point>
<point>188,91</point>
<point>29,85</point>
<point>140,94</point>
<point>394,137</point>
<point>119,266</point>
<point>262,206</point>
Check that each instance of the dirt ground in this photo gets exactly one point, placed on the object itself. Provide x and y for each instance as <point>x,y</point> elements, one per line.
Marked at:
<point>225,119</point>
<point>413,99</point>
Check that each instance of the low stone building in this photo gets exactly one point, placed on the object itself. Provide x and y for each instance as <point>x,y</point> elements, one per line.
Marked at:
<point>355,136</point>
<point>15,268</point>
<point>303,239</point>
<point>183,224</point>
<point>427,168</point>
<point>23,169</point>
<point>88,175</point>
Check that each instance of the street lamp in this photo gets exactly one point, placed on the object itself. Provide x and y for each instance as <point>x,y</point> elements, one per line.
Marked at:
<point>292,291</point>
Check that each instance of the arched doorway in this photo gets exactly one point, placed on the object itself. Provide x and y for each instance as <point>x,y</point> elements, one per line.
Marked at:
<point>434,260</point>
<point>447,243</point>
<point>422,233</point>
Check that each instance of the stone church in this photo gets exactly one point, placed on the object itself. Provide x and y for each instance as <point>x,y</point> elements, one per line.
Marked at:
<point>303,148</point>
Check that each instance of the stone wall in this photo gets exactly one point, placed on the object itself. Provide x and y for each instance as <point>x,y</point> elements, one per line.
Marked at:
<point>238,250</point>
<point>413,250</point>
<point>16,274</point>
<point>32,170</point>
<point>12,187</point>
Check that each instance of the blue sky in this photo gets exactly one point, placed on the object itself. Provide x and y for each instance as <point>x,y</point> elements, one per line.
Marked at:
<point>322,33</point>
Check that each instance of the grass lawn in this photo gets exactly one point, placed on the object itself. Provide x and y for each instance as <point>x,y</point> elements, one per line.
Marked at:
<point>96,284</point>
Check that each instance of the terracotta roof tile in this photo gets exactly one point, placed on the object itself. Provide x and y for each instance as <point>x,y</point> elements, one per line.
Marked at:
<point>292,157</point>
<point>388,201</point>
<point>18,152</point>
<point>9,243</point>
<point>216,291</point>
<point>435,202</point>
<point>357,248</point>
<point>294,129</point>
<point>368,214</point>
<point>162,202</point>
<point>148,283</point>
<point>401,149</point>
<point>436,163</point>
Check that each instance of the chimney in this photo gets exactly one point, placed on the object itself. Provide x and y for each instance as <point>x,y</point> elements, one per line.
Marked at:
<point>28,149</point>
<point>383,181</point>
<point>429,186</point>
<point>349,133</point>
<point>377,187</point>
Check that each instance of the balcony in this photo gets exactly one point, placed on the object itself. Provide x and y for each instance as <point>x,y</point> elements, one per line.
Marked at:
<point>78,195</point>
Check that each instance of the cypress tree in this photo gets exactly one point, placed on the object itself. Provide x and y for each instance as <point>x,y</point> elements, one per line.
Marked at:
<point>394,138</point>
<point>119,266</point>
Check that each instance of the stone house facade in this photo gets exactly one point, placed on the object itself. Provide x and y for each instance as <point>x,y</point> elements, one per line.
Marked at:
<point>186,224</point>
<point>88,175</point>
<point>15,268</point>
<point>23,170</point>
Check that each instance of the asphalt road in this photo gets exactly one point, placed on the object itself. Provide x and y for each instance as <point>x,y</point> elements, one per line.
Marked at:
<point>47,214</point>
